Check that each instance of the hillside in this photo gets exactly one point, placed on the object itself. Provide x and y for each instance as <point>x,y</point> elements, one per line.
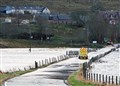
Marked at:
<point>65,5</point>
<point>64,35</point>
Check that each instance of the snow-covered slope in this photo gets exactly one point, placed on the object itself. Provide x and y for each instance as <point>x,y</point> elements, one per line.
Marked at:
<point>108,65</point>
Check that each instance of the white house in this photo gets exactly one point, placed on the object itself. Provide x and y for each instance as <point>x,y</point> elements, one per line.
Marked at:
<point>46,11</point>
<point>24,9</point>
<point>32,9</point>
<point>25,21</point>
<point>8,20</point>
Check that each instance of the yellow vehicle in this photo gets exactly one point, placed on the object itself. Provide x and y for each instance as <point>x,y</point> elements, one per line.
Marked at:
<point>83,53</point>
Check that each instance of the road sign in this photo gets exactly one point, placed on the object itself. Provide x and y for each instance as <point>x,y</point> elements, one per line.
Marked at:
<point>94,42</point>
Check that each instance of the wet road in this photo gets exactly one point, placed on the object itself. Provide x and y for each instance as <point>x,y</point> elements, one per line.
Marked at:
<point>53,75</point>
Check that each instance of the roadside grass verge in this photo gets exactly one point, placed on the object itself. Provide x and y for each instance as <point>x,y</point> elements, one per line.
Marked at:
<point>74,80</point>
<point>6,76</point>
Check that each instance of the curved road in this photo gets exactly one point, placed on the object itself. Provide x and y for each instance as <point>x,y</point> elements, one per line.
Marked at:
<point>53,75</point>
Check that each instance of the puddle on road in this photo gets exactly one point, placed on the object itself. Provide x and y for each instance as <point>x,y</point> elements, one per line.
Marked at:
<point>71,65</point>
<point>63,77</point>
<point>55,66</point>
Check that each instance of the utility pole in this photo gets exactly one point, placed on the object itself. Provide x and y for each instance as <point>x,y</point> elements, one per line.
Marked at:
<point>1,60</point>
<point>71,43</point>
<point>30,37</point>
<point>87,30</point>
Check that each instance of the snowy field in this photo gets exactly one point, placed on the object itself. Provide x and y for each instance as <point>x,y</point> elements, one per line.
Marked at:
<point>12,59</point>
<point>108,65</point>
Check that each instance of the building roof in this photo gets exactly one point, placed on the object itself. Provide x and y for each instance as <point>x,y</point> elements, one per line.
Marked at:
<point>45,16</point>
<point>60,17</point>
<point>4,8</point>
<point>64,17</point>
<point>39,8</point>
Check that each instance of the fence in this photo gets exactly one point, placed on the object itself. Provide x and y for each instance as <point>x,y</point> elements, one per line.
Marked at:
<point>72,53</point>
<point>98,77</point>
<point>49,61</point>
<point>41,63</point>
<point>93,59</point>
<point>104,79</point>
<point>76,53</point>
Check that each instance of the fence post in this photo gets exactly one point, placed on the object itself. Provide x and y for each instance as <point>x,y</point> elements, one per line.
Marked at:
<point>99,77</point>
<point>94,77</point>
<point>116,80</point>
<point>119,80</point>
<point>112,80</point>
<point>84,69</point>
<point>29,67</point>
<point>53,60</point>
<point>42,63</point>
<point>49,60</point>
<point>39,64</point>
<point>86,75</point>
<point>45,61</point>
<point>103,78</point>
<point>106,78</point>
<point>89,76</point>
<point>24,68</point>
<point>36,64</point>
<point>109,79</point>
<point>58,59</point>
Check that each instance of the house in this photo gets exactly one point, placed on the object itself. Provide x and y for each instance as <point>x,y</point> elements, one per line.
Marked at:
<point>25,22</point>
<point>61,18</point>
<point>7,9</point>
<point>32,9</point>
<point>24,9</point>
<point>64,18</point>
<point>44,16</point>
<point>8,20</point>
<point>111,16</point>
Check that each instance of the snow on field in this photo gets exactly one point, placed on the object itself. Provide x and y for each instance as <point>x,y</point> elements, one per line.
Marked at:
<point>12,59</point>
<point>100,51</point>
<point>108,65</point>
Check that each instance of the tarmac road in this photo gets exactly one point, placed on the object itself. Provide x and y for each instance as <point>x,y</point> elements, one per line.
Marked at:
<point>53,75</point>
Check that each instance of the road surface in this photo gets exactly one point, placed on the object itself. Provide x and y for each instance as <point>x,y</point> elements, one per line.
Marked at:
<point>53,75</point>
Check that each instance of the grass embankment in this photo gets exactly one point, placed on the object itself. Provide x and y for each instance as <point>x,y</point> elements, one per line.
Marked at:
<point>76,80</point>
<point>5,76</point>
